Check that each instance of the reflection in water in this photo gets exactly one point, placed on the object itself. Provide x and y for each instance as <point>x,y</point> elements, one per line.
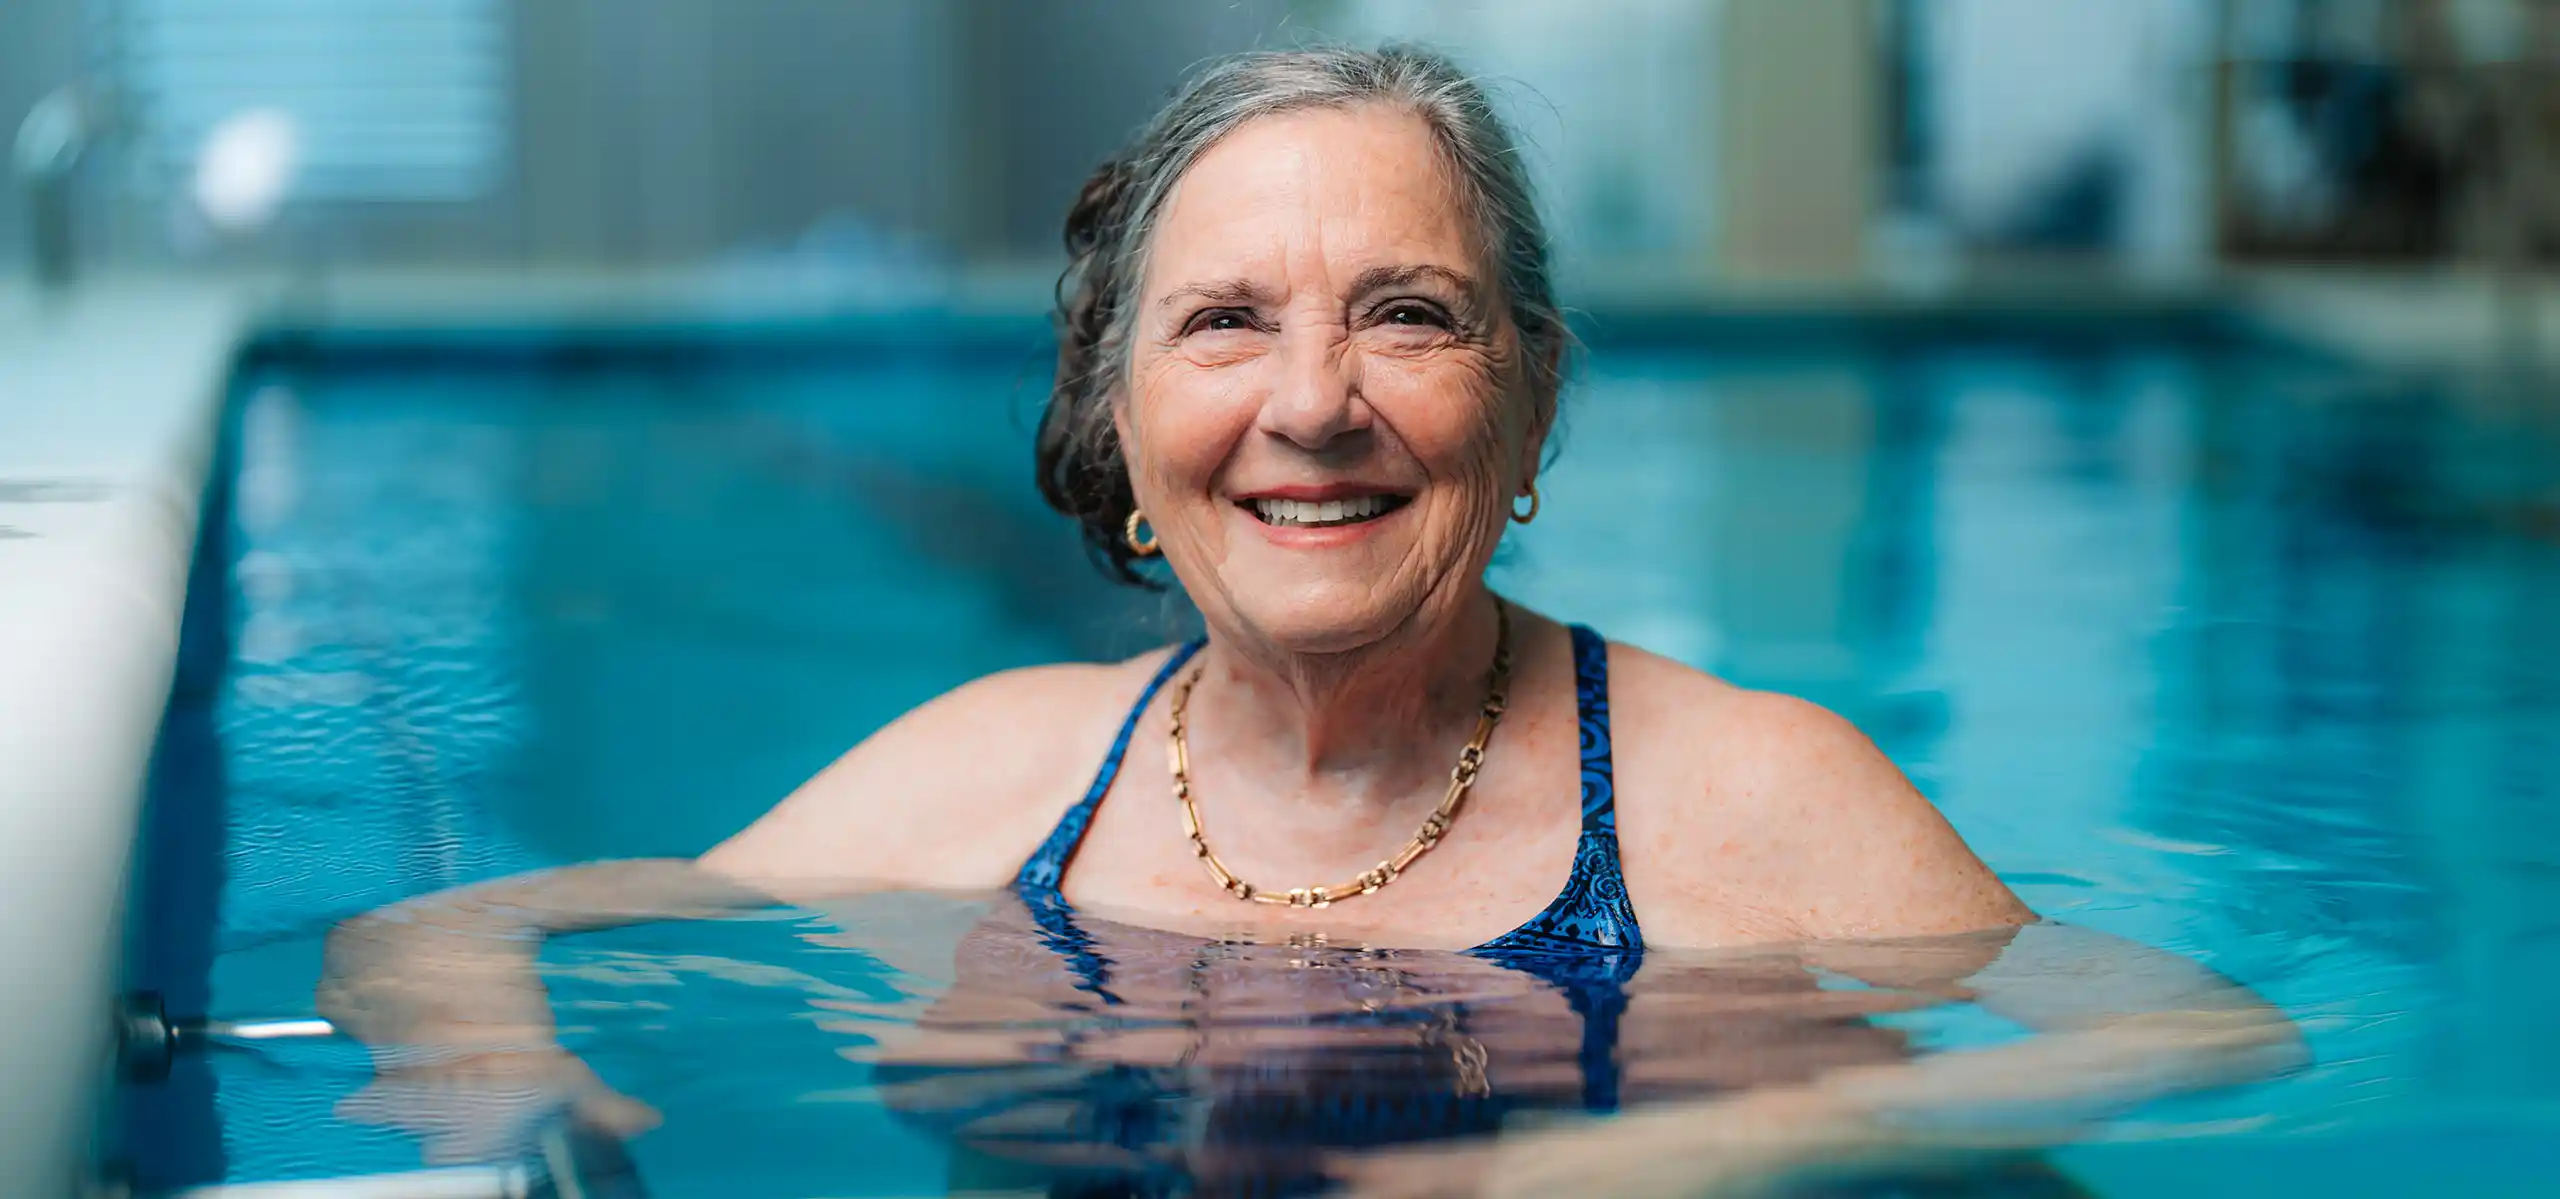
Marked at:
<point>1143,1061</point>
<point>1226,1063</point>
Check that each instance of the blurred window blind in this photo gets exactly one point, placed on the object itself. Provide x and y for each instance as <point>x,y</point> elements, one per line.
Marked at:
<point>391,100</point>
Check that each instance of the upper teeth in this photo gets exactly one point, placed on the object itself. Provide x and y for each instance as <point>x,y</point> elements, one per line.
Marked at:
<point>1328,512</point>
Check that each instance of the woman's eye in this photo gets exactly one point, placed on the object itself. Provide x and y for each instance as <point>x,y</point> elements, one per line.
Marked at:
<point>1220,320</point>
<point>1421,316</point>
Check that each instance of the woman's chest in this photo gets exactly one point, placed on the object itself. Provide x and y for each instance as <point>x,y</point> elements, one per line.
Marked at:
<point>1509,852</point>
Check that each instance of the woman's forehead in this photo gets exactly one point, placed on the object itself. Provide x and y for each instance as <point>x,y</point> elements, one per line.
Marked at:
<point>1350,188</point>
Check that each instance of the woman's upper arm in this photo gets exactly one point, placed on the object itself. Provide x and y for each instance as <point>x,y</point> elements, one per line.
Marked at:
<point>949,796</point>
<point>1794,814</point>
<point>1876,858</point>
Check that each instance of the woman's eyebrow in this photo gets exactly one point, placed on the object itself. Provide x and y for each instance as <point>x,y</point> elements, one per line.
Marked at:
<point>1242,293</point>
<point>1380,277</point>
<point>1246,293</point>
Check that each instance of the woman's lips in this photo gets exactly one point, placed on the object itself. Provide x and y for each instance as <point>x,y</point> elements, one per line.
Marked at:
<point>1304,525</point>
<point>1285,513</point>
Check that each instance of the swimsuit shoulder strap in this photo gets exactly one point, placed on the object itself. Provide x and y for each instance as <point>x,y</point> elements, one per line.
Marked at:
<point>1048,865</point>
<point>1591,709</point>
<point>1592,913</point>
<point>1594,909</point>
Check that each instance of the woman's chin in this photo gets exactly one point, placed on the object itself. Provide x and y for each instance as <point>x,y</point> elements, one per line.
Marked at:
<point>1319,618</point>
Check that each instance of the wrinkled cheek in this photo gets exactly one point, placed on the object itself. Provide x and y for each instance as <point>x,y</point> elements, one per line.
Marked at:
<point>1492,456</point>
<point>1477,486</point>
<point>1481,489</point>
<point>1174,432</point>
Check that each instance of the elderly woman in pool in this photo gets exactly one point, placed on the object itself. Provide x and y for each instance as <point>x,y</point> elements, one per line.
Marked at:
<point>1310,362</point>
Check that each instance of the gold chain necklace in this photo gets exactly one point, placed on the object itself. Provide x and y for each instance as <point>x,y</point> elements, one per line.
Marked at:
<point>1462,778</point>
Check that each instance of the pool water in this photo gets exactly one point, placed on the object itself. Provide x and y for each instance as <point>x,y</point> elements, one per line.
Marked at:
<point>2234,651</point>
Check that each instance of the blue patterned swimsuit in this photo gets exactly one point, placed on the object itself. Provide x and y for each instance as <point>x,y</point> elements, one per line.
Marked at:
<point>1585,943</point>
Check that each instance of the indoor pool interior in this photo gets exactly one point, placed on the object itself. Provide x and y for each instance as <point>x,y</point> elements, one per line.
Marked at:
<point>2223,646</point>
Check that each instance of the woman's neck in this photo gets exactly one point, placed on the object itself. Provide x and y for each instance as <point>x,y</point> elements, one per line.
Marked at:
<point>1368,729</point>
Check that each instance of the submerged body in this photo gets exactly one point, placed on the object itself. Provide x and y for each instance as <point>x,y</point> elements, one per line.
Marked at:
<point>1139,1060</point>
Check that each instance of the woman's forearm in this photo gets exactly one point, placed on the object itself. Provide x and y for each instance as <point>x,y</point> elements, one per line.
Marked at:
<point>1950,1108</point>
<point>1936,1112</point>
<point>579,898</point>
<point>460,966</point>
<point>2052,1084</point>
<point>2115,1025</point>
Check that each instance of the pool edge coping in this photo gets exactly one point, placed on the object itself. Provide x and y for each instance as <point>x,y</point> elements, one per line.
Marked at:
<point>115,398</point>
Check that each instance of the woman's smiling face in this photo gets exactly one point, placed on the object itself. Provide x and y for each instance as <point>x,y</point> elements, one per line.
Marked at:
<point>1326,417</point>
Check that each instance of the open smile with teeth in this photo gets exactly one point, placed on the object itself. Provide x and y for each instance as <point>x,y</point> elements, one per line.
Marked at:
<point>1317,514</point>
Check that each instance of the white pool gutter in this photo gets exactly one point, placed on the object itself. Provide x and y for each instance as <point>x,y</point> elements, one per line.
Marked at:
<point>108,407</point>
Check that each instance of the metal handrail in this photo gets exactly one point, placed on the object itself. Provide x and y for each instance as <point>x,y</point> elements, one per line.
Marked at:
<point>569,1161</point>
<point>149,1039</point>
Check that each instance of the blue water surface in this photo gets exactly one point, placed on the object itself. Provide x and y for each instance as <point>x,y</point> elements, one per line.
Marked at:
<point>2243,653</point>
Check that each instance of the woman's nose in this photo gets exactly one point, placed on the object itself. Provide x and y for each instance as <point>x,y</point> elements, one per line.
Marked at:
<point>1316,399</point>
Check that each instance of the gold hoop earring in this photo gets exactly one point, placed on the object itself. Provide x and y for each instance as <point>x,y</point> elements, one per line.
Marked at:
<point>1532,513</point>
<point>1129,533</point>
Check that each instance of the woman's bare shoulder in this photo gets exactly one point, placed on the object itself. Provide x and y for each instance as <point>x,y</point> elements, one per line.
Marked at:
<point>1753,814</point>
<point>954,794</point>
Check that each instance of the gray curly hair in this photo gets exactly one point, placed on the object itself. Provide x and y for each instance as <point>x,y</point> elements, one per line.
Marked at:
<point>1082,471</point>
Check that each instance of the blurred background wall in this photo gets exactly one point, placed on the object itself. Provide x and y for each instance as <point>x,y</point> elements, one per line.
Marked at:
<point>1912,143</point>
<point>609,131</point>
<point>39,50</point>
